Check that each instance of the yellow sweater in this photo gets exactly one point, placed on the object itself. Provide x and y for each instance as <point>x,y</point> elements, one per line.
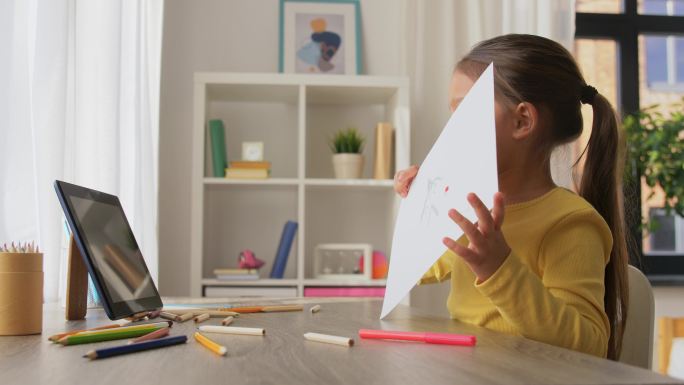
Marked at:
<point>550,288</point>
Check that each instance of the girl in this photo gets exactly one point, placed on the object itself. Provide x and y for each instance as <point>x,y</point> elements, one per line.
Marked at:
<point>555,270</point>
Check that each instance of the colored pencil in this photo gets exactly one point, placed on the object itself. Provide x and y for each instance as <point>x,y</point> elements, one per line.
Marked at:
<point>264,309</point>
<point>59,336</point>
<point>211,345</point>
<point>149,325</point>
<point>137,347</point>
<point>226,311</point>
<point>201,318</point>
<point>168,316</point>
<point>143,315</point>
<point>114,334</point>
<point>232,330</point>
<point>163,332</point>
<point>227,321</point>
<point>196,312</point>
<point>315,309</point>
<point>154,314</point>
<point>185,317</point>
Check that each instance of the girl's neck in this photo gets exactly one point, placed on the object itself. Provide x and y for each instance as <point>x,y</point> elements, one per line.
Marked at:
<point>522,183</point>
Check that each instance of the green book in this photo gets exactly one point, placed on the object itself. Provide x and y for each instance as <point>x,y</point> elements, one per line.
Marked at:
<point>85,338</point>
<point>218,147</point>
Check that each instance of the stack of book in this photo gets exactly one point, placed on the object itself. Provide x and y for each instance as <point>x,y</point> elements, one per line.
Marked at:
<point>248,170</point>
<point>236,274</point>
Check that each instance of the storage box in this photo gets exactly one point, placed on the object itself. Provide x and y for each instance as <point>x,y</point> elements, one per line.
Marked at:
<point>343,261</point>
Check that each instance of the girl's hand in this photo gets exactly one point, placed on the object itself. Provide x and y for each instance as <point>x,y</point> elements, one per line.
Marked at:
<point>403,180</point>
<point>487,248</point>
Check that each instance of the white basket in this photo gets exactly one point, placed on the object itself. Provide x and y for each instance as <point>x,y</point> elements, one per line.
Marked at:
<point>338,261</point>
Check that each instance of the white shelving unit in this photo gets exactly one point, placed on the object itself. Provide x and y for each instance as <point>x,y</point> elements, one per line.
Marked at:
<point>294,115</point>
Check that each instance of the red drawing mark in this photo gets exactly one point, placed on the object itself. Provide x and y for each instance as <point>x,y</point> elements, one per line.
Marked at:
<point>446,188</point>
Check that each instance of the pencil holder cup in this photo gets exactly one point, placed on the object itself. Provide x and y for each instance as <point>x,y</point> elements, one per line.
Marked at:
<point>21,293</point>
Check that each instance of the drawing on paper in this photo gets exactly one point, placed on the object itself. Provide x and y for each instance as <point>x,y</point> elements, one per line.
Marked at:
<point>434,199</point>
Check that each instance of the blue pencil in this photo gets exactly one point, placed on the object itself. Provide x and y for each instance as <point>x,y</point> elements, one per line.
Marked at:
<point>137,347</point>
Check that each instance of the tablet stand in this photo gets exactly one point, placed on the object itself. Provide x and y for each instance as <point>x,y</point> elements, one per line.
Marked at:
<point>77,284</point>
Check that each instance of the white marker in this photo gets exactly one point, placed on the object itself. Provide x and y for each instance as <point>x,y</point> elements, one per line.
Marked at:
<point>232,330</point>
<point>335,340</point>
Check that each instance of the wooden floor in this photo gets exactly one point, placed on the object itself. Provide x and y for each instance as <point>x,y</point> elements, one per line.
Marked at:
<point>283,356</point>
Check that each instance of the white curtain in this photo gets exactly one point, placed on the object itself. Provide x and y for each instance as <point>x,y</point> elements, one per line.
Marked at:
<point>436,34</point>
<point>79,102</point>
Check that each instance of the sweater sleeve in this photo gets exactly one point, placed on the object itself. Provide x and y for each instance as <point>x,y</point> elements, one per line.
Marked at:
<point>563,306</point>
<point>440,270</point>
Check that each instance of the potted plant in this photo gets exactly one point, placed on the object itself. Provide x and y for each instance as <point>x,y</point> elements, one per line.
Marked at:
<point>347,146</point>
<point>655,151</point>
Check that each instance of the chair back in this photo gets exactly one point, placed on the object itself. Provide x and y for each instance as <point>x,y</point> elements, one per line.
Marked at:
<point>637,343</point>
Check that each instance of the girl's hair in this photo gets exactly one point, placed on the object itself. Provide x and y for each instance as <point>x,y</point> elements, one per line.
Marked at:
<point>540,71</point>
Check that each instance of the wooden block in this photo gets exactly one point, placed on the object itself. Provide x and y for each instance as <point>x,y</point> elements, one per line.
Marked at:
<point>77,284</point>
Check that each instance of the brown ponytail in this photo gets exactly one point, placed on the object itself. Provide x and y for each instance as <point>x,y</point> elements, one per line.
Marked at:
<point>540,71</point>
<point>601,186</point>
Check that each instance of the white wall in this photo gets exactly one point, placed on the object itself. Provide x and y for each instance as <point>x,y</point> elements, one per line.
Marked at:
<point>238,36</point>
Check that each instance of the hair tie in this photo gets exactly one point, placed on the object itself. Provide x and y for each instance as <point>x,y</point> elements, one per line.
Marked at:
<point>587,95</point>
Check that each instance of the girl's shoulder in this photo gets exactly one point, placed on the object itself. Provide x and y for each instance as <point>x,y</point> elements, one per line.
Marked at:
<point>559,210</point>
<point>572,214</point>
<point>559,201</point>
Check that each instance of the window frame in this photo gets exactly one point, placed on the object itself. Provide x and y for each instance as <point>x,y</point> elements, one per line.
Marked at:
<point>624,28</point>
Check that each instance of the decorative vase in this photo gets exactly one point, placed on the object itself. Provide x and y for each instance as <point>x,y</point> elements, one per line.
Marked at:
<point>348,166</point>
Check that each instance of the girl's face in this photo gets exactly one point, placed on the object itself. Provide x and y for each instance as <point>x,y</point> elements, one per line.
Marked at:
<point>504,116</point>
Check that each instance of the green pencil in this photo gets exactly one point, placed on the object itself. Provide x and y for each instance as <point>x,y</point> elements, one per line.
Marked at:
<point>114,334</point>
<point>132,327</point>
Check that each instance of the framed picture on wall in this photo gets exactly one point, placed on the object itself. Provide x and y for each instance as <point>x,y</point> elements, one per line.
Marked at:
<point>320,37</point>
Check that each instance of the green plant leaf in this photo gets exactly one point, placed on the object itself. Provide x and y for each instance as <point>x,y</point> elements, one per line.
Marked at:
<point>655,150</point>
<point>347,141</point>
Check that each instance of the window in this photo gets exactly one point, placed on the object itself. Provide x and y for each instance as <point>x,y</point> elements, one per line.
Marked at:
<point>599,6</point>
<point>633,50</point>
<point>664,59</point>
<point>661,7</point>
<point>664,62</point>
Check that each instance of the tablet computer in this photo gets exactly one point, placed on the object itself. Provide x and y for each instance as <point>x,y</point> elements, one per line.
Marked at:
<point>109,250</point>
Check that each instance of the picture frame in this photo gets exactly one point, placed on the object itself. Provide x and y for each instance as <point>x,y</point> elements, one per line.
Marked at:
<point>320,37</point>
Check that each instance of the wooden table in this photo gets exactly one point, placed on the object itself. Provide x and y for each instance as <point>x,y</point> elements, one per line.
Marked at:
<point>284,357</point>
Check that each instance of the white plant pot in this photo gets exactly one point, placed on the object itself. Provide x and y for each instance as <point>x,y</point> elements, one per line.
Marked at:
<point>348,166</point>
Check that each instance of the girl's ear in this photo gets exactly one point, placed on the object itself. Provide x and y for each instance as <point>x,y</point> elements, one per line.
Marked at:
<point>526,117</point>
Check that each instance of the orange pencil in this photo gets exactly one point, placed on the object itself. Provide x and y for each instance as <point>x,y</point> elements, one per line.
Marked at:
<point>265,309</point>
<point>59,336</point>
<point>211,345</point>
<point>245,309</point>
<point>163,332</point>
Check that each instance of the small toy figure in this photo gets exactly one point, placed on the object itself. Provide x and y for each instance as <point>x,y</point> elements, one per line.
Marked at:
<point>247,260</point>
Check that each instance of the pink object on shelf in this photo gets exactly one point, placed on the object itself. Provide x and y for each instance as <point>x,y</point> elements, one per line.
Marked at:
<point>247,260</point>
<point>344,292</point>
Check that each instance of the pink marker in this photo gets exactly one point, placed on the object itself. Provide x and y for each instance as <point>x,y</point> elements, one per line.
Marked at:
<point>430,338</point>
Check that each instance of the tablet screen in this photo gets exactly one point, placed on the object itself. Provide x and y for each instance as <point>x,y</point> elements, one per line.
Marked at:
<point>113,249</point>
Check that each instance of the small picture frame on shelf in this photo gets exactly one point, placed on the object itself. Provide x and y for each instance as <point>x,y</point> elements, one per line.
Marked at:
<point>320,37</point>
<point>253,151</point>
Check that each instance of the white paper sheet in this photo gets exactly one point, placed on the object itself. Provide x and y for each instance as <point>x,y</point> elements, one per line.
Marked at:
<point>462,160</point>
